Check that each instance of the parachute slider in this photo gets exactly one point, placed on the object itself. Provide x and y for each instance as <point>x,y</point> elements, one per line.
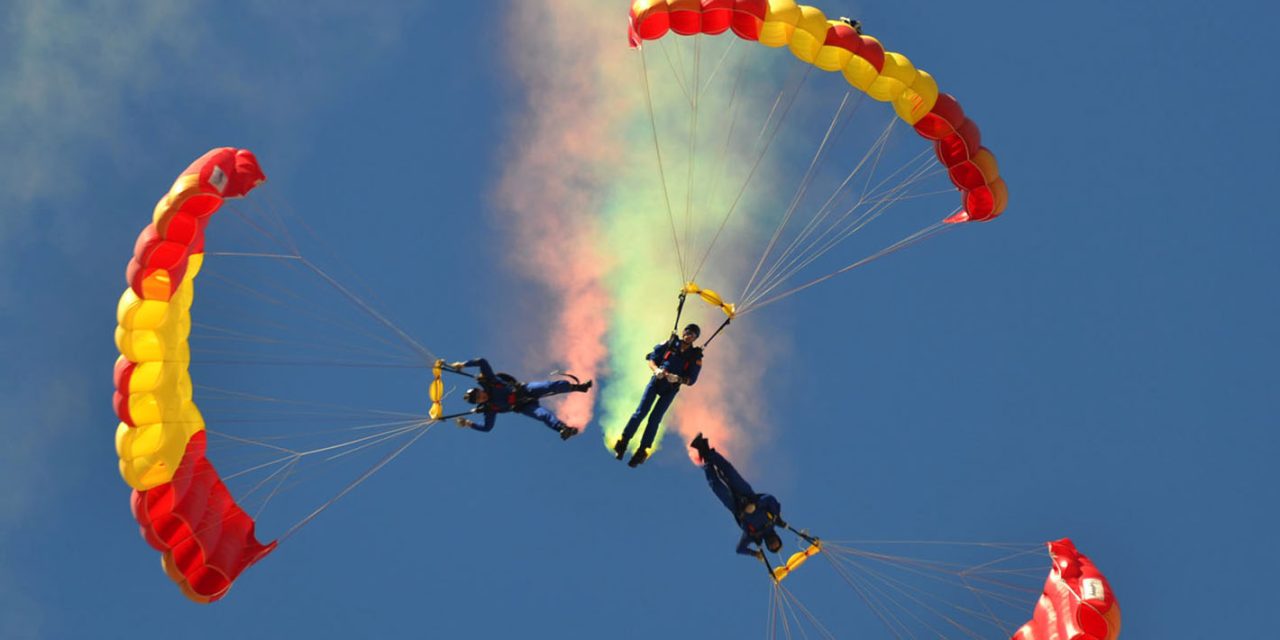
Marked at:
<point>710,297</point>
<point>797,559</point>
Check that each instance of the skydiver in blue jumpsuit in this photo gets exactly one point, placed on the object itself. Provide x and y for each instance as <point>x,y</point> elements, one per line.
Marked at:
<point>500,393</point>
<point>674,362</point>
<point>756,513</point>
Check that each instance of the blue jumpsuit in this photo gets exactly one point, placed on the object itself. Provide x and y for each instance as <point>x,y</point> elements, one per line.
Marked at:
<point>504,397</point>
<point>659,393</point>
<point>735,492</point>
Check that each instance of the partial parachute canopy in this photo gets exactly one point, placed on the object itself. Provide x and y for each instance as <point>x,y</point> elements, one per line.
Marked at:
<point>833,45</point>
<point>1077,604</point>
<point>181,504</point>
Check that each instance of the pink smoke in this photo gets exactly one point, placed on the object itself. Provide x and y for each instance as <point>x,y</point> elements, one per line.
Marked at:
<point>550,189</point>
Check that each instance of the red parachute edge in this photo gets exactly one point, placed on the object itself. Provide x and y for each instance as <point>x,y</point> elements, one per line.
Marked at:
<point>1077,604</point>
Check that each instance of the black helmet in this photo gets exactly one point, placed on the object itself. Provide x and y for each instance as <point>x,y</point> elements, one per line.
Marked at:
<point>772,541</point>
<point>471,395</point>
<point>697,331</point>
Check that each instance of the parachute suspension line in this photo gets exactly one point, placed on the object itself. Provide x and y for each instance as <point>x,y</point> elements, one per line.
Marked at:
<point>783,608</point>
<point>425,426</point>
<point>290,300</point>
<point>873,213</point>
<point>773,612</point>
<point>928,232</point>
<point>828,207</point>
<point>863,594</point>
<point>289,465</point>
<point>882,593</point>
<point>834,235</point>
<point>285,471</point>
<point>330,409</point>
<point>264,206</point>
<point>720,63</point>
<point>282,241</point>
<point>805,182</point>
<point>693,155</point>
<point>657,147</point>
<point>755,165</point>
<point>721,165</point>
<point>296,304</point>
<point>777,231</point>
<point>263,216</point>
<point>793,608</point>
<point>933,571</point>
<point>288,296</point>
<point>301,222</point>
<point>677,71</point>
<point>425,353</point>
<point>220,334</point>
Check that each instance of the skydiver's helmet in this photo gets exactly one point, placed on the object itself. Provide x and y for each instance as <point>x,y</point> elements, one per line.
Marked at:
<point>472,395</point>
<point>857,26</point>
<point>772,542</point>
<point>693,328</point>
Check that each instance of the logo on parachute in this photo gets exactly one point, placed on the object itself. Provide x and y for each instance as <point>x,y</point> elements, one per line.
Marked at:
<point>218,179</point>
<point>1093,589</point>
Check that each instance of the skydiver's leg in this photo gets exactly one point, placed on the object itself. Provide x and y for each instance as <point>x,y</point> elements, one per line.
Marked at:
<point>655,417</point>
<point>543,415</point>
<point>718,487</point>
<point>646,403</point>
<point>732,478</point>
<point>544,388</point>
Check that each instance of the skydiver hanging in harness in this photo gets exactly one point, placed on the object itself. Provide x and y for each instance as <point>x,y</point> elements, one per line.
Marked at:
<point>674,363</point>
<point>757,514</point>
<point>501,393</point>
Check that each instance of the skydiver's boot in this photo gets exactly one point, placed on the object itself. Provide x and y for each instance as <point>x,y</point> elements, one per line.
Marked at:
<point>619,449</point>
<point>567,431</point>
<point>700,445</point>
<point>584,386</point>
<point>638,458</point>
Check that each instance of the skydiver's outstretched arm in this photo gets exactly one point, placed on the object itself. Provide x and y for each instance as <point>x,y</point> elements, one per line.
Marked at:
<point>489,419</point>
<point>745,547</point>
<point>485,370</point>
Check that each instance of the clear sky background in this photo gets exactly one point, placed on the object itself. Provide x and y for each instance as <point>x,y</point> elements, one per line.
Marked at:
<point>1098,363</point>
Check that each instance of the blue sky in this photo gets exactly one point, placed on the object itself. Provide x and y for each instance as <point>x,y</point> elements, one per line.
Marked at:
<point>1097,363</point>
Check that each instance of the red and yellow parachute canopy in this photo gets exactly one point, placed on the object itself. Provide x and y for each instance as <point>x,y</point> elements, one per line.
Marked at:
<point>1077,604</point>
<point>184,509</point>
<point>832,45</point>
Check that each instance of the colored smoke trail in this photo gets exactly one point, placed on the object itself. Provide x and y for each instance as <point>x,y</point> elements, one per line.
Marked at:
<point>551,188</point>
<point>587,168</point>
